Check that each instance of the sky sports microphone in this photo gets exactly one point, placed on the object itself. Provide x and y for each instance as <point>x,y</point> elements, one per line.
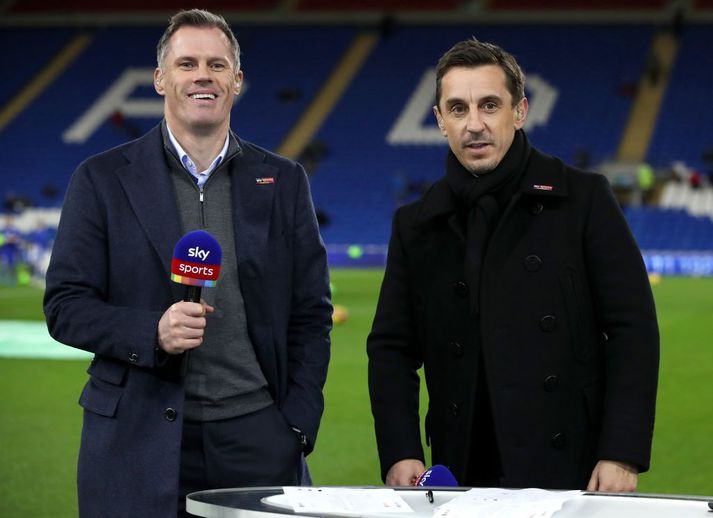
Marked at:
<point>196,263</point>
<point>436,476</point>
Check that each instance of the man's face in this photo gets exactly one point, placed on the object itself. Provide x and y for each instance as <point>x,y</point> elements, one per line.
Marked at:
<point>476,115</point>
<point>198,80</point>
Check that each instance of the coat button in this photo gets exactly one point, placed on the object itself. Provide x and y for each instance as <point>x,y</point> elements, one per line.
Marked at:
<point>455,410</point>
<point>533,263</point>
<point>170,414</point>
<point>461,288</point>
<point>559,441</point>
<point>548,323</point>
<point>456,349</point>
<point>536,208</point>
<point>551,383</point>
<point>133,357</point>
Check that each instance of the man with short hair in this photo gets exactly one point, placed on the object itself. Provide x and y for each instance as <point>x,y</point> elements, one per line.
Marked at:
<point>517,285</point>
<point>246,408</point>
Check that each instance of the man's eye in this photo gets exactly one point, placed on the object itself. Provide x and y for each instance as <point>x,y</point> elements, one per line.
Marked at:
<point>458,109</point>
<point>186,65</point>
<point>489,107</point>
<point>218,66</point>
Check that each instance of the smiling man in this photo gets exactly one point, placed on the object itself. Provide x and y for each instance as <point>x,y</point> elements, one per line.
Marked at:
<point>517,286</point>
<point>246,408</point>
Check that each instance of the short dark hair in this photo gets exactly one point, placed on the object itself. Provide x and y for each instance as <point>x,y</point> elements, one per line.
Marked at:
<point>196,18</point>
<point>474,53</point>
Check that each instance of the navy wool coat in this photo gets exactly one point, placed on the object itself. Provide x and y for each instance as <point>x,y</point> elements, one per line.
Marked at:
<point>108,284</point>
<point>567,327</point>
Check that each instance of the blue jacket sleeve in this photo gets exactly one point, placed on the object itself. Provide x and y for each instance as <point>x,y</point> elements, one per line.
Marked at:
<point>76,297</point>
<point>308,343</point>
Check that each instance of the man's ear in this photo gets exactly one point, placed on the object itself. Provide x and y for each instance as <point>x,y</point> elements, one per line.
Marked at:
<point>158,81</point>
<point>521,113</point>
<point>439,120</point>
<point>238,81</point>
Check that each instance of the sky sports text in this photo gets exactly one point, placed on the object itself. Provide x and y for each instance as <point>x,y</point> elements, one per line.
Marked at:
<point>197,252</point>
<point>204,271</point>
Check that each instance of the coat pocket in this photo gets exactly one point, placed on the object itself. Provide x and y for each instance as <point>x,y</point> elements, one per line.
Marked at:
<point>100,398</point>
<point>573,302</point>
<point>593,403</point>
<point>103,391</point>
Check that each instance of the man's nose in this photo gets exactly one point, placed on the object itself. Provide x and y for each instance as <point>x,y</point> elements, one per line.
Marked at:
<point>474,123</point>
<point>203,73</point>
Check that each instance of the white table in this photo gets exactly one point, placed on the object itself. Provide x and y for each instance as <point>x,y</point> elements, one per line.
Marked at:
<point>264,502</point>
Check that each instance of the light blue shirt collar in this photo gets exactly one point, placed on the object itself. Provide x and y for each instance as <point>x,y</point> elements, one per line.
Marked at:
<point>202,176</point>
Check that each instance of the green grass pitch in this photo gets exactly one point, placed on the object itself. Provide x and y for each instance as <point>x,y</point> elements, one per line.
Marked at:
<point>40,420</point>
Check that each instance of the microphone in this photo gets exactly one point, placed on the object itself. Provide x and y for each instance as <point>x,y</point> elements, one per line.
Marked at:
<point>436,476</point>
<point>196,263</point>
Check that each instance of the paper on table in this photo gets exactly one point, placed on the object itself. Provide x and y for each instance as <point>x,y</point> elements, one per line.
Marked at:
<point>345,501</point>
<point>505,503</point>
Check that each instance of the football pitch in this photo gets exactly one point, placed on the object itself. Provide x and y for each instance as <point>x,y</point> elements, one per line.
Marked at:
<point>40,420</point>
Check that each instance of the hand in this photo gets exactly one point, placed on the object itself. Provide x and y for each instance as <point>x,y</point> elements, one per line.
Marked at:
<point>182,325</point>
<point>613,477</point>
<point>405,472</point>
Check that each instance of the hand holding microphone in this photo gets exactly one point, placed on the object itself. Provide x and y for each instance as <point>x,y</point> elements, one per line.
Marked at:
<point>196,263</point>
<point>412,472</point>
<point>182,325</point>
<point>405,472</point>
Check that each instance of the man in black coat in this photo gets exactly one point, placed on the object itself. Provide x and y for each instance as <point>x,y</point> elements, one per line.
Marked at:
<point>517,285</point>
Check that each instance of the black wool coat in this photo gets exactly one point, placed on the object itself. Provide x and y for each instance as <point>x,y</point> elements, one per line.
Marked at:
<point>567,324</point>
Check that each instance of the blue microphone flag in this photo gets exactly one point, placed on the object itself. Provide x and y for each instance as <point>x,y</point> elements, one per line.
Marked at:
<point>196,259</point>
<point>437,476</point>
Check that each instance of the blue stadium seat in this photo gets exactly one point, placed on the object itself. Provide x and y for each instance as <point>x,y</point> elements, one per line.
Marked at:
<point>355,184</point>
<point>684,129</point>
<point>670,229</point>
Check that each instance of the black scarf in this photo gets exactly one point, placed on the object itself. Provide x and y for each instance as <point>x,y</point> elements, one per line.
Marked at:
<point>481,200</point>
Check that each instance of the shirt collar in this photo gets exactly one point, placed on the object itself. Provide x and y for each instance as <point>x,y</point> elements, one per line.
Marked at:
<point>200,176</point>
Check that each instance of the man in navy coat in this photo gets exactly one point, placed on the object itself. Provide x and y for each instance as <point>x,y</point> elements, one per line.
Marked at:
<point>246,408</point>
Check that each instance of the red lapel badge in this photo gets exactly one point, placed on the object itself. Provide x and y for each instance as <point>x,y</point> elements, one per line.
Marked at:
<point>542,187</point>
<point>264,181</point>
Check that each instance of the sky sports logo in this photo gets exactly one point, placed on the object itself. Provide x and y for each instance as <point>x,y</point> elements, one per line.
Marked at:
<point>197,252</point>
<point>199,271</point>
<point>196,260</point>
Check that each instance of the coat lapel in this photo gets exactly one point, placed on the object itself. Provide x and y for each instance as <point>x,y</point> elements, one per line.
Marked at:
<point>544,178</point>
<point>147,184</point>
<point>437,201</point>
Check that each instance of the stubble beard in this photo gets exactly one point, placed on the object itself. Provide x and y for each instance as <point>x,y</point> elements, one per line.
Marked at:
<point>479,169</point>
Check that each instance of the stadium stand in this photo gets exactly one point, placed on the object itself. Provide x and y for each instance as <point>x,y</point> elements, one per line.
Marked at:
<point>40,43</point>
<point>283,67</point>
<point>378,145</point>
<point>670,229</point>
<point>354,184</point>
<point>696,201</point>
<point>685,125</point>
